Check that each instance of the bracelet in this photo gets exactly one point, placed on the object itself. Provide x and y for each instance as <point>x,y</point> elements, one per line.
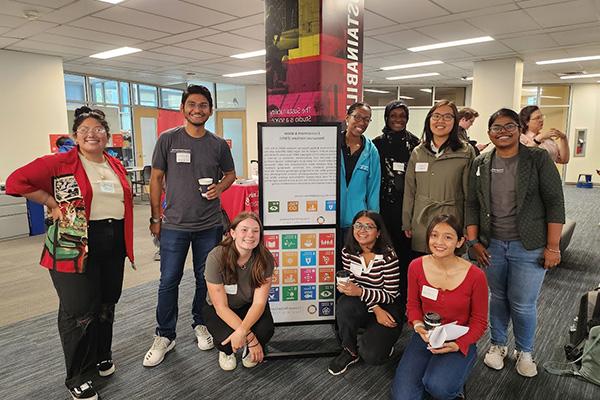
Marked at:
<point>254,345</point>
<point>553,251</point>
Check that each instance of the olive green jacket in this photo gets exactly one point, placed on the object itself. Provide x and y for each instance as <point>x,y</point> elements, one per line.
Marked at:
<point>540,198</point>
<point>441,189</point>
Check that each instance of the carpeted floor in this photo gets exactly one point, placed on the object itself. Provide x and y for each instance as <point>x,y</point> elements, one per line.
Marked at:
<point>33,365</point>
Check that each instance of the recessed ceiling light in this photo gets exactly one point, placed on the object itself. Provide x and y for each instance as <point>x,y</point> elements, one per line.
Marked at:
<point>452,44</point>
<point>393,78</point>
<point>245,73</point>
<point>112,1</point>
<point>581,76</point>
<point>406,97</point>
<point>115,53</point>
<point>566,60</point>
<point>413,65</point>
<point>426,90</point>
<point>375,91</point>
<point>250,54</point>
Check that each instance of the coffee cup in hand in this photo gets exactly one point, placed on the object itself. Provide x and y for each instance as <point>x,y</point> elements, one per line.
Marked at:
<point>342,277</point>
<point>204,184</point>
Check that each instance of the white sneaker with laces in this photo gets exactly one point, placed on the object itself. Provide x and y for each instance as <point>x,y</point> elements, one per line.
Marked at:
<point>525,365</point>
<point>227,362</point>
<point>247,359</point>
<point>494,358</point>
<point>156,354</point>
<point>205,339</point>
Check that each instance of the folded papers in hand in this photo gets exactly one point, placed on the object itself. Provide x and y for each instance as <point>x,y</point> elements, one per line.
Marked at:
<point>446,333</point>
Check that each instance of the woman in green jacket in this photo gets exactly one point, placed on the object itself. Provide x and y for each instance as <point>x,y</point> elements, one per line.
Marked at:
<point>436,175</point>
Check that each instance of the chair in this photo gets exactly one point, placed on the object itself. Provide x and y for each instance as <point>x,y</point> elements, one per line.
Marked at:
<point>143,182</point>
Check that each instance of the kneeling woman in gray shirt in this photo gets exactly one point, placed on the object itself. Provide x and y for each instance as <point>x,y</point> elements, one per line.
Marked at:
<point>238,276</point>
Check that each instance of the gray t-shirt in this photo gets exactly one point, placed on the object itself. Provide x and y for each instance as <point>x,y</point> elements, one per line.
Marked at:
<point>185,159</point>
<point>504,198</point>
<point>240,293</point>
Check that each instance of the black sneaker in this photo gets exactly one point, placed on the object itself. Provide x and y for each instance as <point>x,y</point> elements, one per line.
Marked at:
<point>106,368</point>
<point>85,391</point>
<point>340,364</point>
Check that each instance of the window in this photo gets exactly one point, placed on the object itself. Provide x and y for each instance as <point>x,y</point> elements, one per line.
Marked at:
<point>231,96</point>
<point>380,96</point>
<point>170,98</point>
<point>417,96</point>
<point>553,100</point>
<point>146,95</point>
<point>75,88</point>
<point>454,94</point>
<point>124,88</point>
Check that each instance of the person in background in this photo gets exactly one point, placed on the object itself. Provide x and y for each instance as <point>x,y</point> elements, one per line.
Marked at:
<point>553,141</point>
<point>395,146</point>
<point>360,172</point>
<point>238,275</point>
<point>437,174</point>
<point>64,144</point>
<point>90,201</point>
<point>515,214</point>
<point>369,300</point>
<point>456,290</point>
<point>466,118</point>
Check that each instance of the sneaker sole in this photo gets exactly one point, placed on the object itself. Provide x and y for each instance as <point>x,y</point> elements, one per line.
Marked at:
<point>96,397</point>
<point>345,368</point>
<point>108,372</point>
<point>169,348</point>
<point>492,367</point>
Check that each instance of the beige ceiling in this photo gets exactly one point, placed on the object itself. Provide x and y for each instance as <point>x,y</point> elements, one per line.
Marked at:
<point>180,37</point>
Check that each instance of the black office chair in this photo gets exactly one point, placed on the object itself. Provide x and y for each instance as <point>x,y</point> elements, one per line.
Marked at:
<point>142,182</point>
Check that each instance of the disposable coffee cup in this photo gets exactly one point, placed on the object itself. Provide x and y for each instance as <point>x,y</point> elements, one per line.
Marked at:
<point>204,184</point>
<point>342,277</point>
<point>432,320</point>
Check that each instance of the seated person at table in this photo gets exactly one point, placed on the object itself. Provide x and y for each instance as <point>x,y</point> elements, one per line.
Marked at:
<point>369,298</point>
<point>450,286</point>
<point>238,276</point>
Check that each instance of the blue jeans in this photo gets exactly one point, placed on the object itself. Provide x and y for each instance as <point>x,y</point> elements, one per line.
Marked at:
<point>515,278</point>
<point>174,247</point>
<point>443,376</point>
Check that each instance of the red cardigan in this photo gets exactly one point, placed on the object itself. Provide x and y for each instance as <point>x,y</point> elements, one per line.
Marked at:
<point>467,304</point>
<point>38,175</point>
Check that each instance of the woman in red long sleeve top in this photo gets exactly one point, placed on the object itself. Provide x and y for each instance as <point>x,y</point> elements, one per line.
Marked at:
<point>450,286</point>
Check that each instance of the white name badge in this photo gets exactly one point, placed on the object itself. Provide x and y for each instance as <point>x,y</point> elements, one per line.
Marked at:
<point>356,269</point>
<point>107,187</point>
<point>231,289</point>
<point>183,157</point>
<point>429,293</point>
<point>421,167</point>
<point>398,166</point>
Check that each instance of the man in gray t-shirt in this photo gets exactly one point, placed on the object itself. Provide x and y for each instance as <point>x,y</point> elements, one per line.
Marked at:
<point>181,157</point>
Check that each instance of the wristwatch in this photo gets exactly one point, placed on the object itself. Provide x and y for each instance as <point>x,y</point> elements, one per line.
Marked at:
<point>536,141</point>
<point>155,220</point>
<point>471,243</point>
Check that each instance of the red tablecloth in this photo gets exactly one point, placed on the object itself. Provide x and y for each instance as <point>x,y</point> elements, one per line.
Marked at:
<point>240,198</point>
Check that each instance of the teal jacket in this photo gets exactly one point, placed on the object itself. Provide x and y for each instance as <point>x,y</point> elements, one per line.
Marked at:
<point>540,198</point>
<point>363,191</point>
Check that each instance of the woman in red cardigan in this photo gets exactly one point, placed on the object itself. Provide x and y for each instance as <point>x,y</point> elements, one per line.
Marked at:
<point>89,198</point>
<point>456,290</point>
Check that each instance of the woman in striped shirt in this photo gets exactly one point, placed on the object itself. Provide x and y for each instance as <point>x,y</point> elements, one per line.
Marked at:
<point>369,299</point>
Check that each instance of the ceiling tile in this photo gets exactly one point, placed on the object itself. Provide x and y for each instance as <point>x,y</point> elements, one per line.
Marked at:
<point>102,25</point>
<point>256,32</point>
<point>405,39</point>
<point>457,6</point>
<point>203,45</point>
<point>76,10</point>
<point>530,42</point>
<point>397,10</point>
<point>9,7</point>
<point>496,49</point>
<point>233,7</point>
<point>184,37</point>
<point>178,51</point>
<point>238,23</point>
<point>143,19</point>
<point>48,48</point>
<point>49,3</point>
<point>29,29</point>
<point>93,47</point>
<point>569,13</point>
<point>375,21</point>
<point>11,21</point>
<point>179,10</point>
<point>240,42</point>
<point>4,42</point>
<point>456,30</point>
<point>75,32</point>
<point>577,36</point>
<point>509,22</point>
<point>374,46</point>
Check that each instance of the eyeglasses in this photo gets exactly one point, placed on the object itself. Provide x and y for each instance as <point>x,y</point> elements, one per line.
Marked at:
<point>367,227</point>
<point>358,118</point>
<point>538,118</point>
<point>445,117</point>
<point>99,130</point>
<point>202,106</point>
<point>510,127</point>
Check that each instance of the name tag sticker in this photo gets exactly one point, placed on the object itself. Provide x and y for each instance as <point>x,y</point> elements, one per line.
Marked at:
<point>356,269</point>
<point>421,167</point>
<point>363,167</point>
<point>398,166</point>
<point>429,293</point>
<point>231,289</point>
<point>107,187</point>
<point>183,157</point>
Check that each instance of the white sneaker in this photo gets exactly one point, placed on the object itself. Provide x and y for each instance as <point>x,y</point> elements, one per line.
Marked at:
<point>227,362</point>
<point>525,365</point>
<point>247,360</point>
<point>205,339</point>
<point>156,354</point>
<point>494,358</point>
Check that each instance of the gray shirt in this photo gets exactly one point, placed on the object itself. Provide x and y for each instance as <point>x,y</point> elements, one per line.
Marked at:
<point>504,198</point>
<point>185,159</point>
<point>240,293</point>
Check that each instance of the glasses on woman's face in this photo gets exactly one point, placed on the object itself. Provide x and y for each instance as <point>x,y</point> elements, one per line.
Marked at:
<point>358,118</point>
<point>367,227</point>
<point>510,127</point>
<point>445,117</point>
<point>99,130</point>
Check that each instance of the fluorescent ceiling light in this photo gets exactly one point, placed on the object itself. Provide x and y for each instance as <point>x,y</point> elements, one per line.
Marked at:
<point>550,97</point>
<point>375,91</point>
<point>452,44</point>
<point>566,60</point>
<point>581,76</point>
<point>250,54</point>
<point>413,65</point>
<point>116,53</point>
<point>406,97</point>
<point>467,78</point>
<point>529,90</point>
<point>112,1</point>
<point>245,73</point>
<point>425,90</point>
<point>393,78</point>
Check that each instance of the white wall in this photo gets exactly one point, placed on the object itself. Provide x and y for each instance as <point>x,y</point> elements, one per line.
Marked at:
<point>32,105</point>
<point>256,111</point>
<point>416,119</point>
<point>585,113</point>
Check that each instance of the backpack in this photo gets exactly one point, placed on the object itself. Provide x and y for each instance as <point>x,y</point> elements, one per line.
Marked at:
<point>587,317</point>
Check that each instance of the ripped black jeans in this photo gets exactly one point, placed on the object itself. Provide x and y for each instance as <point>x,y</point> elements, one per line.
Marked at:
<point>87,301</point>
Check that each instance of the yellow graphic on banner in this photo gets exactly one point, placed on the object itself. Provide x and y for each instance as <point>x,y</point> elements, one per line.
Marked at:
<point>309,30</point>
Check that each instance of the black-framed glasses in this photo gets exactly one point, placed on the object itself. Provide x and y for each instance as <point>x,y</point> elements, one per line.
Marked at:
<point>510,127</point>
<point>367,227</point>
<point>358,118</point>
<point>445,117</point>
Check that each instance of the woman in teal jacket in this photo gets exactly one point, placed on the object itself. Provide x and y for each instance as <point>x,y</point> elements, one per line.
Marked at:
<point>360,172</point>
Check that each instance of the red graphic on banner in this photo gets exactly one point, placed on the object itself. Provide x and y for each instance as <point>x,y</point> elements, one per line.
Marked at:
<point>117,139</point>
<point>326,240</point>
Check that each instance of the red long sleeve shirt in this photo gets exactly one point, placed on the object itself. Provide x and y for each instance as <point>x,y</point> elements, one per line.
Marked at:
<point>467,304</point>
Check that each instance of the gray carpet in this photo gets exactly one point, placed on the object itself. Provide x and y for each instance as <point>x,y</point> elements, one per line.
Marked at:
<point>33,365</point>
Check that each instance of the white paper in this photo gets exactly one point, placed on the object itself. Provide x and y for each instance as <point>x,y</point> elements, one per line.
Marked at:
<point>446,333</point>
